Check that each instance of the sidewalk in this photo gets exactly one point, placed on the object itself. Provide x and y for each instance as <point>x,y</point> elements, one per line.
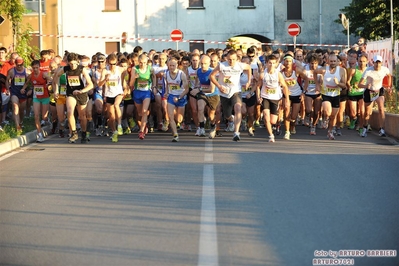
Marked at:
<point>21,141</point>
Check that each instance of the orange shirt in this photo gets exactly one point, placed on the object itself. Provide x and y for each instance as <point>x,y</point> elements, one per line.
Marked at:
<point>40,89</point>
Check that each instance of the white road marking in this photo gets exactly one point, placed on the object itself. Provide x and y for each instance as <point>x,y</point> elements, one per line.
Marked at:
<point>208,244</point>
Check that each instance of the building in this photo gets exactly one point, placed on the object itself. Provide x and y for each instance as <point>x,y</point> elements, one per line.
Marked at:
<point>87,27</point>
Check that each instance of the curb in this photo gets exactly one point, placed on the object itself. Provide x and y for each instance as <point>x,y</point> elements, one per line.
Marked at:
<point>21,141</point>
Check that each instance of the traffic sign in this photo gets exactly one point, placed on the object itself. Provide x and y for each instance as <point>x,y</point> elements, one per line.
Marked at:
<point>294,29</point>
<point>2,19</point>
<point>176,35</point>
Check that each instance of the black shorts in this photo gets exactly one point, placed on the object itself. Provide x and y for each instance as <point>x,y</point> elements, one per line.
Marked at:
<point>249,102</point>
<point>272,105</point>
<point>355,98</point>
<point>211,101</point>
<point>228,103</point>
<point>343,96</point>
<point>81,99</point>
<point>313,96</point>
<point>128,102</point>
<point>333,100</point>
<point>367,95</point>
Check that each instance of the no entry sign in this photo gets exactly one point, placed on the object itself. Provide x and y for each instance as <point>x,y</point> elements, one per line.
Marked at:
<point>176,35</point>
<point>294,29</point>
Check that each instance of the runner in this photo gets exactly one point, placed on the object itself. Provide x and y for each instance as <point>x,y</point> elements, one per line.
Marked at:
<point>372,81</point>
<point>38,80</point>
<point>15,80</point>
<point>293,105</point>
<point>76,94</point>
<point>248,98</point>
<point>334,80</point>
<point>230,88</point>
<point>116,87</point>
<point>270,91</point>
<point>141,79</point>
<point>176,90</point>
<point>207,96</point>
<point>312,95</point>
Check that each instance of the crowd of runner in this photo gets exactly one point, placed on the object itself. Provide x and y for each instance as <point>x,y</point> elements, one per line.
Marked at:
<point>234,89</point>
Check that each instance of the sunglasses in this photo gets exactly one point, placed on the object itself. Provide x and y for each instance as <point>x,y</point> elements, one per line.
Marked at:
<point>112,64</point>
<point>251,56</point>
<point>101,61</point>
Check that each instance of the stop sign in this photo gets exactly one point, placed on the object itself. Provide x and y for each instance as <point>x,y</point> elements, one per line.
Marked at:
<point>294,29</point>
<point>176,35</point>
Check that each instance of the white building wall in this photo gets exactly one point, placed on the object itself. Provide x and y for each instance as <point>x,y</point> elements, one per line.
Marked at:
<point>218,21</point>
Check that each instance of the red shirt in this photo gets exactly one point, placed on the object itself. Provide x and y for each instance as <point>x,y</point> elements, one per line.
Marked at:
<point>40,89</point>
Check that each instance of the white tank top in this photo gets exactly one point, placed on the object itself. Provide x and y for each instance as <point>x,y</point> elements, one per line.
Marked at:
<point>229,77</point>
<point>329,87</point>
<point>174,85</point>
<point>312,82</point>
<point>271,87</point>
<point>292,83</point>
<point>113,87</point>
<point>192,75</point>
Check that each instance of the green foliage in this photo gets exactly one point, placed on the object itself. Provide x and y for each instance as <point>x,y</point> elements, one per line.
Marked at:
<point>14,11</point>
<point>10,131</point>
<point>371,19</point>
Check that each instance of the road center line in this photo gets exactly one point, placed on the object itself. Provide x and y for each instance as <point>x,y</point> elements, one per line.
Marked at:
<point>208,244</point>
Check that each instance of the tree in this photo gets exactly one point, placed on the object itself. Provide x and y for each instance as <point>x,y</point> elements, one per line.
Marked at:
<point>14,11</point>
<point>371,19</point>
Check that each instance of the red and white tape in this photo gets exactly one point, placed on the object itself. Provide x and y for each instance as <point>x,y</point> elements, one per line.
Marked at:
<point>185,41</point>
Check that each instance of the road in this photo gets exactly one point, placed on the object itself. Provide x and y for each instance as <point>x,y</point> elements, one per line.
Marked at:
<point>200,201</point>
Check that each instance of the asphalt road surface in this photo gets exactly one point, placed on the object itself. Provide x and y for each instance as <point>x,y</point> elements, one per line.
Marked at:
<point>201,201</point>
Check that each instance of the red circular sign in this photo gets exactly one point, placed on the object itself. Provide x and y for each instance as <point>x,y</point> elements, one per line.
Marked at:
<point>176,35</point>
<point>294,29</point>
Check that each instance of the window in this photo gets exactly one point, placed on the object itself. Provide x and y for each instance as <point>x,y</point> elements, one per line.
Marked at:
<point>32,6</point>
<point>111,47</point>
<point>247,3</point>
<point>195,3</point>
<point>199,46</point>
<point>294,9</point>
<point>111,5</point>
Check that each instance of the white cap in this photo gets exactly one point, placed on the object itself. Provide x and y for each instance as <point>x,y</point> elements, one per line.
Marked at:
<point>377,58</point>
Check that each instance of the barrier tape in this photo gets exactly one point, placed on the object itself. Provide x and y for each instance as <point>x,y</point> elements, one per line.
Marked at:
<point>184,41</point>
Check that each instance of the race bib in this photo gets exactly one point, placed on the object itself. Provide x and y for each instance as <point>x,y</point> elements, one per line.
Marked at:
<point>63,89</point>
<point>243,89</point>
<point>112,82</point>
<point>290,82</point>
<point>19,80</point>
<point>38,90</point>
<point>270,91</point>
<point>73,81</point>
<point>374,95</point>
<point>174,87</point>
<point>141,85</point>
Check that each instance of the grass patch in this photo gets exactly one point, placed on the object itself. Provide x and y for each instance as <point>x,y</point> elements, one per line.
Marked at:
<point>10,131</point>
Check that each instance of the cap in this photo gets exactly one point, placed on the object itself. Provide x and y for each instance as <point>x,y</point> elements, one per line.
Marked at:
<point>19,61</point>
<point>101,57</point>
<point>377,58</point>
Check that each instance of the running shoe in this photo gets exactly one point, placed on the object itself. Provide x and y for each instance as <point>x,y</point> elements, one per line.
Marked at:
<point>257,124</point>
<point>330,136</point>
<point>244,125</point>
<point>271,139</point>
<point>334,131</point>
<point>338,132</point>
<point>352,124</point>
<point>218,133</point>
<point>99,131</point>
<point>198,132</point>
<point>127,131</point>
<point>42,123</point>
<point>313,130</point>
<point>230,127</point>
<point>40,138</point>
<point>325,124</point>
<point>175,138</point>
<point>115,136</point>
<point>120,130</point>
<point>88,135</point>
<point>141,135</point>
<point>202,132</point>
<point>293,131</point>
<point>363,132</point>
<point>236,136</point>
<point>307,120</point>
<point>160,126</point>
<point>212,133</point>
<point>132,123</point>
<point>251,132</point>
<point>381,133</point>
<point>287,135</point>
<point>178,126</point>
<point>74,137</point>
<point>165,126</point>
<point>278,130</point>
